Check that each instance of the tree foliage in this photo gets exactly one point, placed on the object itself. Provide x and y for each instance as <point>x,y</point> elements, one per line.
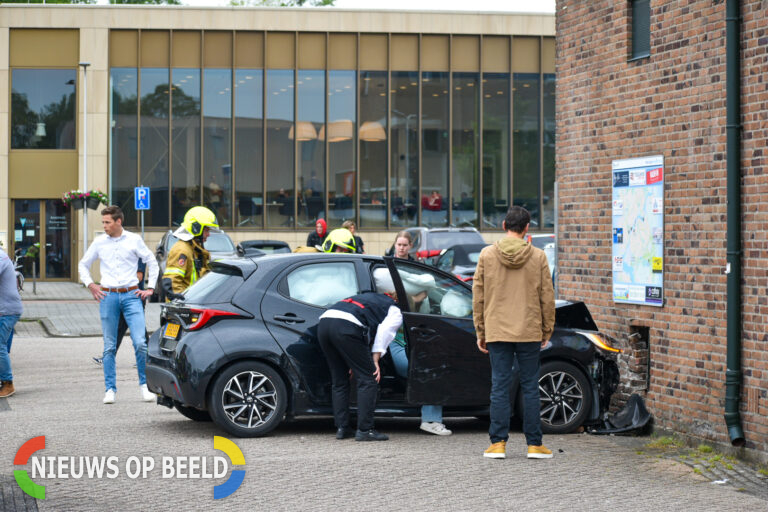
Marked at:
<point>281,3</point>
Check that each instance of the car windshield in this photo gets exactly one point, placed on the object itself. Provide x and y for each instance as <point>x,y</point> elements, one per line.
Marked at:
<point>214,287</point>
<point>443,239</point>
<point>269,249</point>
<point>217,242</point>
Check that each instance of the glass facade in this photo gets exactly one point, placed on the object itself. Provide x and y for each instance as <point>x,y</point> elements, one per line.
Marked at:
<point>435,149</point>
<point>279,148</point>
<point>342,145</point>
<point>465,150</point>
<point>525,149</point>
<point>124,146</point>
<point>43,108</point>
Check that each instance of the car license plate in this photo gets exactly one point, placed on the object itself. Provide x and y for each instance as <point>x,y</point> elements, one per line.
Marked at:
<point>171,330</point>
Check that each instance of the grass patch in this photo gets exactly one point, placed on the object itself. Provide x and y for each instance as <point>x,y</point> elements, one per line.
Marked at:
<point>664,442</point>
<point>716,458</point>
<point>697,471</point>
<point>729,467</point>
<point>639,452</point>
<point>705,448</point>
<point>763,471</point>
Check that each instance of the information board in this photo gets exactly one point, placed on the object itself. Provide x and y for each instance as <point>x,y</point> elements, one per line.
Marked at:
<point>638,231</point>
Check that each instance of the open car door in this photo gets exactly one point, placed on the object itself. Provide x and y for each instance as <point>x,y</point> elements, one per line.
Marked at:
<point>445,366</point>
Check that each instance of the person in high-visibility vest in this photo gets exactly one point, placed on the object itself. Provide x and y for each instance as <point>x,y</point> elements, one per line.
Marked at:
<point>188,260</point>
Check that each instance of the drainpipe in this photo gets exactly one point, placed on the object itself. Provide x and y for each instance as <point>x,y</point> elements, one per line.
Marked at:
<point>733,268</point>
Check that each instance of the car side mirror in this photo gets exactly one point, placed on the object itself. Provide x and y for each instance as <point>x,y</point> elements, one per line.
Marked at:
<point>240,250</point>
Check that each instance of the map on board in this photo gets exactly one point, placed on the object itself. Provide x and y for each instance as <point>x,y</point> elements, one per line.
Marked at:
<point>638,231</point>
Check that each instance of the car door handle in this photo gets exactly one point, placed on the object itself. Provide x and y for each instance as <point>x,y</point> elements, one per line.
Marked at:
<point>423,331</point>
<point>289,318</point>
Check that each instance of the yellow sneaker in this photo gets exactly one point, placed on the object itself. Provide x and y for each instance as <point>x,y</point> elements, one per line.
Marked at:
<point>497,451</point>
<point>539,452</point>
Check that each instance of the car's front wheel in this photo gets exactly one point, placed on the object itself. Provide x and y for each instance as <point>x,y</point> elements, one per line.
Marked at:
<point>565,397</point>
<point>248,399</point>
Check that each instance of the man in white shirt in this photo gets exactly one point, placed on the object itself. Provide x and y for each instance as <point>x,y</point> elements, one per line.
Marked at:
<point>119,252</point>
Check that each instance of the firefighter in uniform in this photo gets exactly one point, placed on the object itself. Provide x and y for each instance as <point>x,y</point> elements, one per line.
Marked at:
<point>188,260</point>
<point>339,240</point>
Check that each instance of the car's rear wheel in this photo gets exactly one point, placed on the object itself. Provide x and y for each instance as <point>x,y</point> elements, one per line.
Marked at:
<point>566,397</point>
<point>248,399</point>
<point>192,413</point>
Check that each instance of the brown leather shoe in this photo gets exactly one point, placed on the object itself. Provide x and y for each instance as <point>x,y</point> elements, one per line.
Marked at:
<point>7,389</point>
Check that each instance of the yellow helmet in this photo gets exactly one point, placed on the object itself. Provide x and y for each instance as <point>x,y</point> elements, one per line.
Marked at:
<point>341,237</point>
<point>198,218</point>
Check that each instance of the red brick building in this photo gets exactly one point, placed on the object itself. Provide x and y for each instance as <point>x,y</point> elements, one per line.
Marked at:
<point>613,103</point>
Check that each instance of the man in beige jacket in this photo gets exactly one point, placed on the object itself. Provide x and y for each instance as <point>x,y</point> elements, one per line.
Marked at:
<point>514,313</point>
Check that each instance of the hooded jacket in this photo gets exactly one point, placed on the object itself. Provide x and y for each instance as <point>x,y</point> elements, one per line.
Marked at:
<point>512,294</point>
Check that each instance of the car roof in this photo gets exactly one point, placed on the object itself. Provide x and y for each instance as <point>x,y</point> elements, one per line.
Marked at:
<point>462,251</point>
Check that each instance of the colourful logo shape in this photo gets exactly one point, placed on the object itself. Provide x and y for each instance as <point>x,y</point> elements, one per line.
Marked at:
<point>236,458</point>
<point>21,459</point>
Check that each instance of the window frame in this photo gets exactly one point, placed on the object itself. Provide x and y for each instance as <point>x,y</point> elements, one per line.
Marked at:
<point>635,27</point>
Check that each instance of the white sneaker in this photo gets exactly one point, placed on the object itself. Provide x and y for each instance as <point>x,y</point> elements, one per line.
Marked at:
<point>109,397</point>
<point>146,394</point>
<point>435,428</point>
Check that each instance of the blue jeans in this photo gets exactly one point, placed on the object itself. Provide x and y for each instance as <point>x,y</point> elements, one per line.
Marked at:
<point>429,413</point>
<point>503,355</point>
<point>110,308</point>
<point>6,335</point>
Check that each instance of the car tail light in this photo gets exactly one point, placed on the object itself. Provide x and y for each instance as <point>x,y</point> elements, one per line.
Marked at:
<point>599,341</point>
<point>422,255</point>
<point>200,317</point>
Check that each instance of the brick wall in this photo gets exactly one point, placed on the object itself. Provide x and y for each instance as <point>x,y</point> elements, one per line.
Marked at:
<point>672,104</point>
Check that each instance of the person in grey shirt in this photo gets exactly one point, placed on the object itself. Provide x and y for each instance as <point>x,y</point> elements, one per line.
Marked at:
<point>10,312</point>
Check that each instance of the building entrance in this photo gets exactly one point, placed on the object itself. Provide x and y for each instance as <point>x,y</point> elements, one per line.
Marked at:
<point>42,231</point>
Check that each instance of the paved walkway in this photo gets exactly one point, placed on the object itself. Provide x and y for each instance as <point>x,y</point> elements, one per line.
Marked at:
<point>67,310</point>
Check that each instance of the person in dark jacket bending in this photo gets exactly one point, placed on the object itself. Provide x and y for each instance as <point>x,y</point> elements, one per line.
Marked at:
<point>344,332</point>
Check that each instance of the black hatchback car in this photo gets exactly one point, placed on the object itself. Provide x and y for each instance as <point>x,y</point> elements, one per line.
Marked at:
<point>241,348</point>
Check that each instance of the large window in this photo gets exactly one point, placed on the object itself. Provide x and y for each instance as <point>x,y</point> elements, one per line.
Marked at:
<point>124,164</point>
<point>281,207</point>
<point>525,153</point>
<point>43,108</point>
<point>495,163</point>
<point>154,145</point>
<point>404,147</point>
<point>641,29</point>
<point>342,169</point>
<point>548,152</point>
<point>454,144</point>
<point>217,143</point>
<point>310,137</point>
<point>373,149</point>
<point>249,142</point>
<point>466,139</point>
<point>185,144</point>
<point>435,149</point>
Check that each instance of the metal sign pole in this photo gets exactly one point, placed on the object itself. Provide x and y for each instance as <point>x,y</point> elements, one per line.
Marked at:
<point>142,225</point>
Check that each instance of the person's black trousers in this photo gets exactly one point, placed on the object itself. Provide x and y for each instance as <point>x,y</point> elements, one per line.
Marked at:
<point>346,347</point>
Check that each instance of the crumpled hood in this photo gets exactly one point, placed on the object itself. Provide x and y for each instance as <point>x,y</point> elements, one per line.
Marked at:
<point>513,252</point>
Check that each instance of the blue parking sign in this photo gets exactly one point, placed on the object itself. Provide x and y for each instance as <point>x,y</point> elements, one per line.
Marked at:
<point>141,198</point>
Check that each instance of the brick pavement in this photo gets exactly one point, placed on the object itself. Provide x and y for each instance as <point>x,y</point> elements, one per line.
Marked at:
<point>301,466</point>
<point>68,310</point>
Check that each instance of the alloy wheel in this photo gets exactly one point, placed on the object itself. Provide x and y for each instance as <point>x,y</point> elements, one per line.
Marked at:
<point>562,398</point>
<point>249,399</point>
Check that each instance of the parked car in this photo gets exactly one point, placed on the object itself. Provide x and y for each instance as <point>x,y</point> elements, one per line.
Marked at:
<point>460,260</point>
<point>548,244</point>
<point>428,242</point>
<point>262,247</point>
<point>241,349</point>
<point>218,244</point>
